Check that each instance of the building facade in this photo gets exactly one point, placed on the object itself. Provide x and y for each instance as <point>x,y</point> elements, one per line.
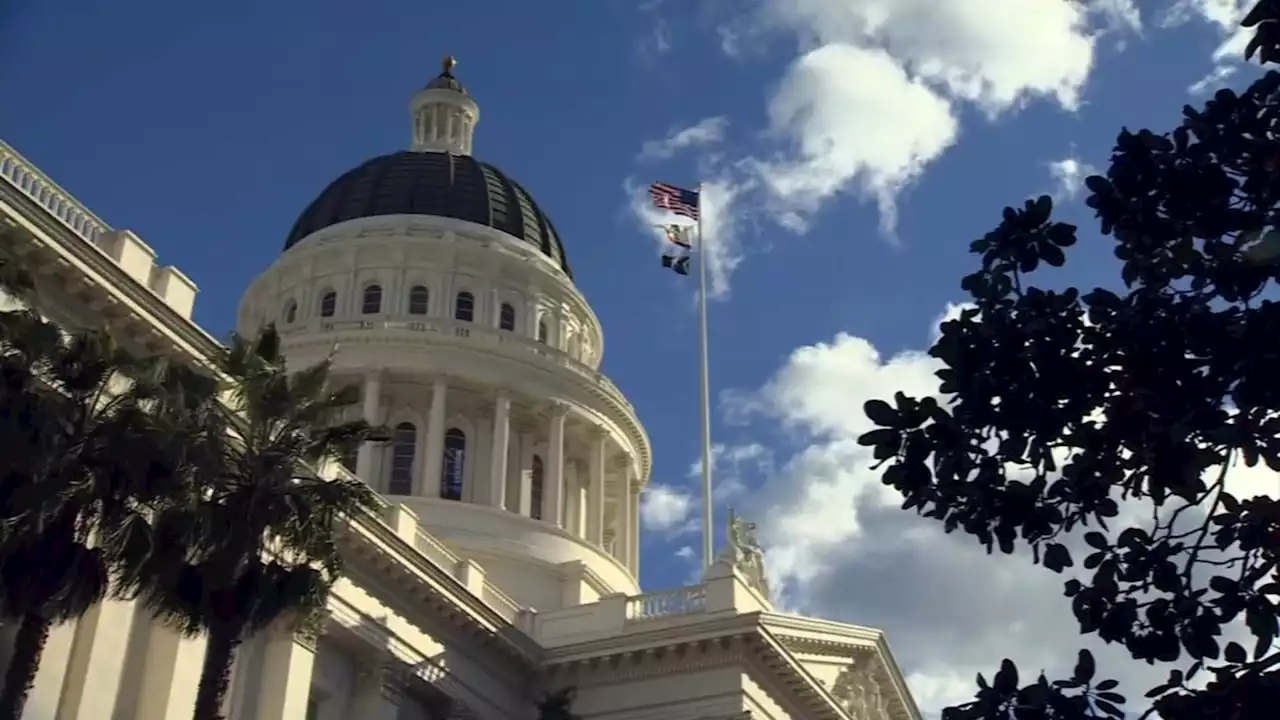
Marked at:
<point>503,563</point>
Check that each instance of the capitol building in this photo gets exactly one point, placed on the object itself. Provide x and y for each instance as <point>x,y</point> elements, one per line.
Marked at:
<point>503,562</point>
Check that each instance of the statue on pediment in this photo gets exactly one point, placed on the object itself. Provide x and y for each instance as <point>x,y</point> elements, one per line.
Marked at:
<point>745,554</point>
<point>858,691</point>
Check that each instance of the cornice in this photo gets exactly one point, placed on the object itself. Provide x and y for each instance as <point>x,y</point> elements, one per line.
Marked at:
<point>402,564</point>
<point>828,638</point>
<point>187,337</point>
<point>479,241</point>
<point>407,664</point>
<point>680,648</point>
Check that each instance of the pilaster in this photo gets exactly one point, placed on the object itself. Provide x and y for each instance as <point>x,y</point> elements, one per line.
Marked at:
<point>553,498</point>
<point>433,459</point>
<point>288,657</point>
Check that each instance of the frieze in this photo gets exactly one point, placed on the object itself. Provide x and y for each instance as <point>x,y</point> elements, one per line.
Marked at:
<point>674,658</point>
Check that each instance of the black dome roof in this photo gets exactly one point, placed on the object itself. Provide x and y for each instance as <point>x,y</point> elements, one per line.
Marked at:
<point>432,183</point>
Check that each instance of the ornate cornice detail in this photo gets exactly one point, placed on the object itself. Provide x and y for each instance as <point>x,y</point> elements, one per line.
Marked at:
<point>666,659</point>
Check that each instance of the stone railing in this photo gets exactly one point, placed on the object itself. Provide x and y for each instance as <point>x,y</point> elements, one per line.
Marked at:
<point>501,602</point>
<point>27,178</point>
<point>667,603</point>
<point>724,592</point>
<point>431,548</point>
<point>435,551</point>
<point>473,333</point>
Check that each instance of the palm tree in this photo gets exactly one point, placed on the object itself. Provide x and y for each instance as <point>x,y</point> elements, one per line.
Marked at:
<point>257,544</point>
<point>80,456</point>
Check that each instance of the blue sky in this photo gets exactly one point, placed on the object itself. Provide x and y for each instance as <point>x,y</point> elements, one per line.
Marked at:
<point>207,131</point>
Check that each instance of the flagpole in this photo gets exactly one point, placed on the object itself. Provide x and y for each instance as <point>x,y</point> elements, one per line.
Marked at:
<point>708,530</point>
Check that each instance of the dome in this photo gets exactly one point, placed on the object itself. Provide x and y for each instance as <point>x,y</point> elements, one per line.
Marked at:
<point>438,184</point>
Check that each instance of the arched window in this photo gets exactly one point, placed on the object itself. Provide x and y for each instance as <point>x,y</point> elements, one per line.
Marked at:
<point>542,331</point>
<point>455,455</point>
<point>290,312</point>
<point>464,306</point>
<point>403,442</point>
<point>536,475</point>
<point>507,317</point>
<point>371,301</point>
<point>328,303</point>
<point>419,296</point>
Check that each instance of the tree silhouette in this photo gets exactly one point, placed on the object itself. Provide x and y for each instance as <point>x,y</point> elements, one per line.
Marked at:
<point>1056,407</point>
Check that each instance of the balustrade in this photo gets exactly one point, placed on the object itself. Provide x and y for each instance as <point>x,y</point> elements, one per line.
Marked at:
<point>667,603</point>
<point>474,333</point>
<point>25,177</point>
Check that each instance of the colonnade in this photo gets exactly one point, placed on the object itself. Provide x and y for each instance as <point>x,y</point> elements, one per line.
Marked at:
<point>524,465</point>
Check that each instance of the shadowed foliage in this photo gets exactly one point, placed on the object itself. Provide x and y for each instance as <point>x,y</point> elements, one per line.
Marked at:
<point>255,544</point>
<point>558,705</point>
<point>80,457</point>
<point>1057,406</point>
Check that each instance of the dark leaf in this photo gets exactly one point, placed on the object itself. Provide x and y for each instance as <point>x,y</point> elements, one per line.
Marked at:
<point>881,413</point>
<point>1084,669</point>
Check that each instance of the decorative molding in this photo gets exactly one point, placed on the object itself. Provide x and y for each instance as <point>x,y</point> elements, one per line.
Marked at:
<point>386,677</point>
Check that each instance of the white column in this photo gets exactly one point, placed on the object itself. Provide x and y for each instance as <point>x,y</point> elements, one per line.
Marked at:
<point>433,458</point>
<point>370,453</point>
<point>553,493</point>
<point>46,689</point>
<point>524,503</point>
<point>287,661</point>
<point>574,502</point>
<point>626,514</point>
<point>377,696</point>
<point>495,308</point>
<point>595,489</point>
<point>634,558</point>
<point>97,661</point>
<point>501,437</point>
<point>170,673</point>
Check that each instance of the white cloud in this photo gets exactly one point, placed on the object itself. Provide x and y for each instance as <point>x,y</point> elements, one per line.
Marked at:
<point>838,545</point>
<point>1118,15</point>
<point>872,97</point>
<point>850,115</point>
<point>708,131</point>
<point>666,509</point>
<point>1068,176</point>
<point>1224,16</point>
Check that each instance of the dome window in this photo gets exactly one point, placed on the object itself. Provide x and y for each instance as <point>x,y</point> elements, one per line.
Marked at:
<point>507,317</point>
<point>371,301</point>
<point>536,483</point>
<point>419,296</point>
<point>403,445</point>
<point>542,331</point>
<point>455,453</point>
<point>464,307</point>
<point>290,312</point>
<point>328,303</point>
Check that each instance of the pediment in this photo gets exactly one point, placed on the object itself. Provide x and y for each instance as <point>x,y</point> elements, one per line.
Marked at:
<point>850,662</point>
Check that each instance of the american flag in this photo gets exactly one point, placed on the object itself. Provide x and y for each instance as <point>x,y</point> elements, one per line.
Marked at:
<point>677,200</point>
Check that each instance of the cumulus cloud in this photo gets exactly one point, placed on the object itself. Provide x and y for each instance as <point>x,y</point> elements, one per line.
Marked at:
<point>830,112</point>
<point>667,509</point>
<point>873,94</point>
<point>839,546</point>
<point>1068,176</point>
